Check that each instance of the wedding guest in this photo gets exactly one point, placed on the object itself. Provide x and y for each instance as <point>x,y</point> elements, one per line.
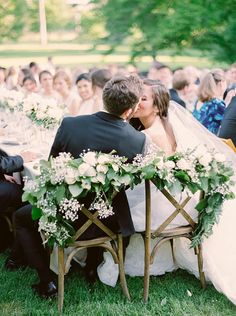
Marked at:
<point>228,124</point>
<point>2,77</point>
<point>99,78</point>
<point>10,190</point>
<point>161,72</point>
<point>121,97</point>
<point>210,92</point>
<point>46,82</point>
<point>29,85</point>
<point>11,78</point>
<point>182,87</point>
<point>62,84</point>
<point>35,70</point>
<point>84,86</point>
<point>23,72</point>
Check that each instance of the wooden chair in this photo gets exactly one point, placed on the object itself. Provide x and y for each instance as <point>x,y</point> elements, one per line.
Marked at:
<point>229,143</point>
<point>164,234</point>
<point>112,242</point>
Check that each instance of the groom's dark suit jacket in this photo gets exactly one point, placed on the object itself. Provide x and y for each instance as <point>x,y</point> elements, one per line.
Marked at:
<point>228,124</point>
<point>101,132</point>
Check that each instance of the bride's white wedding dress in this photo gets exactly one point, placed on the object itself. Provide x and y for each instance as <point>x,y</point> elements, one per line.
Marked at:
<point>219,250</point>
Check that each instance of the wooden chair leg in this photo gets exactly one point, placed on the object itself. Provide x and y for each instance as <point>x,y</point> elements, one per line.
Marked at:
<point>121,268</point>
<point>200,267</point>
<point>61,274</point>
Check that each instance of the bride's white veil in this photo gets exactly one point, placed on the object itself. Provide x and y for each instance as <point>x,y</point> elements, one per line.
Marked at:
<point>190,133</point>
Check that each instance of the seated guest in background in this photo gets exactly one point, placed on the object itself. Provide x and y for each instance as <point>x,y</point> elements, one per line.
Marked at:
<point>35,70</point>
<point>210,92</point>
<point>29,85</point>
<point>2,77</point>
<point>11,79</point>
<point>22,73</point>
<point>228,124</point>
<point>84,86</point>
<point>121,97</point>
<point>46,85</point>
<point>182,87</point>
<point>10,190</point>
<point>161,72</point>
<point>99,79</point>
<point>62,84</point>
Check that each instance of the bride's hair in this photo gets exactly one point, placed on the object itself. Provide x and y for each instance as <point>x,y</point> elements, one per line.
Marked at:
<point>160,95</point>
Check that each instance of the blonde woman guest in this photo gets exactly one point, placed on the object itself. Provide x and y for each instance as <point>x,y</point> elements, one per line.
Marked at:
<point>62,84</point>
<point>87,103</point>
<point>210,92</point>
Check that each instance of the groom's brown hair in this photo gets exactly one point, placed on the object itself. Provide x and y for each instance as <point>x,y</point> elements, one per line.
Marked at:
<point>122,93</point>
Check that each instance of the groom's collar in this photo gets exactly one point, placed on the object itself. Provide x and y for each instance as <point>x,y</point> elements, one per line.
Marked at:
<point>110,117</point>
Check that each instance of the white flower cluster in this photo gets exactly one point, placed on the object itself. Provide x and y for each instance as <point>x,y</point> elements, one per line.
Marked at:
<point>11,99</point>
<point>30,185</point>
<point>42,111</point>
<point>46,204</point>
<point>103,207</point>
<point>59,170</point>
<point>70,208</point>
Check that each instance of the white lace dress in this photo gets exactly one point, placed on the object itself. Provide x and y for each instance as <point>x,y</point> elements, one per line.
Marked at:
<point>219,250</point>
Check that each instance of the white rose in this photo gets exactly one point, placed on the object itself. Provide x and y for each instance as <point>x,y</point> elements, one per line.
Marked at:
<point>115,167</point>
<point>91,172</point>
<point>101,177</point>
<point>160,164</point>
<point>200,151</point>
<point>83,168</point>
<point>90,158</point>
<point>102,168</point>
<point>183,164</point>
<point>205,160</point>
<point>169,164</point>
<point>71,175</point>
<point>219,157</point>
<point>103,159</point>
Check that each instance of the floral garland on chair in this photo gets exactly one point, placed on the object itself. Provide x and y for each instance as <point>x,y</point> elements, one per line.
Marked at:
<point>193,170</point>
<point>63,181</point>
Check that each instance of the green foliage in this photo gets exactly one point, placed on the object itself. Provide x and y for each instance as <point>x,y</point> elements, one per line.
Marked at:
<point>11,22</point>
<point>153,25</point>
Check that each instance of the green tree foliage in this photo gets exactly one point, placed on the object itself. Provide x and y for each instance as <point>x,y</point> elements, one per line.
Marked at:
<point>11,23</point>
<point>151,25</point>
<point>59,15</point>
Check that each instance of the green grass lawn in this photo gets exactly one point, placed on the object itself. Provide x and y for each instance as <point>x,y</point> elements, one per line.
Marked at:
<point>69,54</point>
<point>168,297</point>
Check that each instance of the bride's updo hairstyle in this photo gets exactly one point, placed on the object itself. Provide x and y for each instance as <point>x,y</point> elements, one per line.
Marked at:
<point>209,85</point>
<point>160,95</point>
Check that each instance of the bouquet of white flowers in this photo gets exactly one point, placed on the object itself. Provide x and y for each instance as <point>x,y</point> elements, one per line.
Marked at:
<point>193,170</point>
<point>11,99</point>
<point>42,111</point>
<point>56,193</point>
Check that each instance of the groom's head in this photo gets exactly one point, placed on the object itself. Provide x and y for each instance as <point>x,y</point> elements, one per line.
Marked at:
<point>121,95</point>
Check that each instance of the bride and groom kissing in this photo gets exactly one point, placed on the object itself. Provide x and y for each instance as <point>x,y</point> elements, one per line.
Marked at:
<point>123,98</point>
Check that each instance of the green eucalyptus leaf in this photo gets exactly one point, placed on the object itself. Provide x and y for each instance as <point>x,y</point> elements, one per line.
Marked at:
<point>75,189</point>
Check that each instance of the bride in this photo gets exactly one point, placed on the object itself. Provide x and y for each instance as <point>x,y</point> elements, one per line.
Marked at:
<point>171,128</point>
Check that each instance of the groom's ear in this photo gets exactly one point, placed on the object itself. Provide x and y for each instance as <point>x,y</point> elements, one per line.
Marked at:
<point>127,114</point>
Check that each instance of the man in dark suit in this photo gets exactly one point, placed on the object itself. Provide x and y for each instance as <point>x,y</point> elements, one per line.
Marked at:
<point>10,190</point>
<point>228,124</point>
<point>102,131</point>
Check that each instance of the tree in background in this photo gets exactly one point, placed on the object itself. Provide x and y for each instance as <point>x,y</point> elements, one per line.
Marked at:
<point>18,16</point>
<point>11,22</point>
<point>151,25</point>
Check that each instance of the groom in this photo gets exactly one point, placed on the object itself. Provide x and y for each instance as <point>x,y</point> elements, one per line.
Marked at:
<point>104,132</point>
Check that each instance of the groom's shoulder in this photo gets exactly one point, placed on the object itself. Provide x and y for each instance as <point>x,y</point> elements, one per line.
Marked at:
<point>133,132</point>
